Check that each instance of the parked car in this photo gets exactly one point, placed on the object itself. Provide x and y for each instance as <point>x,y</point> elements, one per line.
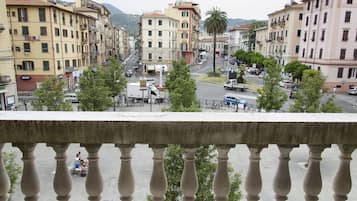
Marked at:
<point>71,98</point>
<point>234,100</point>
<point>128,73</point>
<point>233,61</point>
<point>286,84</point>
<point>352,90</point>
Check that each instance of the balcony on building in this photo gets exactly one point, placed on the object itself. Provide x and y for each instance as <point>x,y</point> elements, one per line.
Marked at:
<point>190,130</point>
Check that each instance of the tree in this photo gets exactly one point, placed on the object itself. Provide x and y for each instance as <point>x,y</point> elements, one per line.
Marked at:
<point>94,95</point>
<point>182,88</point>
<point>13,169</point>
<point>114,78</point>
<point>296,69</point>
<point>271,97</point>
<point>311,90</point>
<point>50,96</point>
<point>215,24</point>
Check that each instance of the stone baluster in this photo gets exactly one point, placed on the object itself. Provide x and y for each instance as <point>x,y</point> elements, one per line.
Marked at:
<point>342,182</point>
<point>94,182</point>
<point>158,182</point>
<point>4,179</point>
<point>282,181</point>
<point>126,184</point>
<point>189,180</point>
<point>221,185</point>
<point>253,183</point>
<point>30,182</point>
<point>62,182</point>
<point>313,181</point>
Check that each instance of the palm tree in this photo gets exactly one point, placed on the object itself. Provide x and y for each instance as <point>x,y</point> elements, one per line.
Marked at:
<point>215,24</point>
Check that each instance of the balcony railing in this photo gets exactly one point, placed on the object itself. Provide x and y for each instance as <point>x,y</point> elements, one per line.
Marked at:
<point>190,130</point>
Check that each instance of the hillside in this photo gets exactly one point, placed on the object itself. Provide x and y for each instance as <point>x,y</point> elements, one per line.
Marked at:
<point>232,22</point>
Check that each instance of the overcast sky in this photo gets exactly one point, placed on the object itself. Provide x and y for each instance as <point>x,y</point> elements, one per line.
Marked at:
<point>246,9</point>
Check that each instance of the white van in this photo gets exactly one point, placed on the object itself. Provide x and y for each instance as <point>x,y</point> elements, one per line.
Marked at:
<point>353,90</point>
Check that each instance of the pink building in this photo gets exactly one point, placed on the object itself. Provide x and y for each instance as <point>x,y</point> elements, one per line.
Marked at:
<point>329,40</point>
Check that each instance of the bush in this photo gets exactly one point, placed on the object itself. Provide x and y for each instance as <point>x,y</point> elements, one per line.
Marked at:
<point>13,170</point>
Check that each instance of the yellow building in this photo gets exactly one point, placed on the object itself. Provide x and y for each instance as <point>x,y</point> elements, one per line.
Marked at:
<point>48,40</point>
<point>8,92</point>
<point>189,15</point>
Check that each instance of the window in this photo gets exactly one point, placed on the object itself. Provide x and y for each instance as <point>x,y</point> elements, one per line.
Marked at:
<point>319,68</point>
<point>55,16</point>
<point>326,2</point>
<point>67,63</point>
<point>348,16</point>
<point>43,31</point>
<point>323,35</point>
<point>25,30</point>
<point>183,46</point>
<point>184,14</point>
<point>22,14</point>
<point>349,1</point>
<point>28,65</point>
<point>307,20</point>
<point>57,48</point>
<point>59,65</point>
<point>317,3</point>
<point>44,47</point>
<point>355,54</point>
<point>160,33</point>
<point>351,73</point>
<point>303,53</point>
<point>345,35</point>
<point>65,48</point>
<point>184,35</point>
<point>150,22</point>
<point>184,25</point>
<point>57,32</point>
<point>72,34</point>
<point>159,58</point>
<point>311,53</point>
<point>159,44</point>
<point>150,56</point>
<point>149,33</point>
<point>320,54</point>
<point>42,14</point>
<point>160,22</point>
<point>77,35</point>
<point>315,19</point>
<point>300,16</point>
<point>149,44</point>
<point>46,65</point>
<point>65,33</point>
<point>313,36</point>
<point>72,48</point>
<point>340,73</point>
<point>308,5</point>
<point>342,54</point>
<point>297,48</point>
<point>71,20</point>
<point>74,63</point>
<point>325,17</point>
<point>27,47</point>
<point>305,36</point>
<point>299,32</point>
<point>63,19</point>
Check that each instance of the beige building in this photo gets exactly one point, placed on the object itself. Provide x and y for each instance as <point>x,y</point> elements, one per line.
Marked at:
<point>329,41</point>
<point>123,43</point>
<point>206,43</point>
<point>238,38</point>
<point>159,40</point>
<point>8,91</point>
<point>261,37</point>
<point>284,30</point>
<point>48,40</point>
<point>189,16</point>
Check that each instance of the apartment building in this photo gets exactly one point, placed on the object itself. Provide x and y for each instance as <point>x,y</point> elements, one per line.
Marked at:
<point>261,38</point>
<point>123,43</point>
<point>102,31</point>
<point>159,40</point>
<point>284,30</point>
<point>48,39</point>
<point>206,43</point>
<point>329,41</point>
<point>8,91</point>
<point>238,38</point>
<point>189,15</point>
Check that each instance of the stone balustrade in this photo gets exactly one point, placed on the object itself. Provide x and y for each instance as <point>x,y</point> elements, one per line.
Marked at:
<point>190,130</point>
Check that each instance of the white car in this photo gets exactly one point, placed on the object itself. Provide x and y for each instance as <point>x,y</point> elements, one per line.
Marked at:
<point>352,90</point>
<point>285,83</point>
<point>71,98</point>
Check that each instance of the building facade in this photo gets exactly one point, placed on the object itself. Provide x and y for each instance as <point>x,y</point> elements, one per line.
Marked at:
<point>48,40</point>
<point>261,38</point>
<point>284,30</point>
<point>329,41</point>
<point>238,38</point>
<point>189,15</point>
<point>8,91</point>
<point>206,44</point>
<point>159,40</point>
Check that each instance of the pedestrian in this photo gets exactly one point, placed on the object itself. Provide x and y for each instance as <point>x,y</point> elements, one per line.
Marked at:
<point>334,90</point>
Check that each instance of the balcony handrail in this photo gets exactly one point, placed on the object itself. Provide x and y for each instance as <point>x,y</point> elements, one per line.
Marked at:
<point>178,128</point>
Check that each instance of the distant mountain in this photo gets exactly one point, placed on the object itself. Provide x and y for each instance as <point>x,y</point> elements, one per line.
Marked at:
<point>121,19</point>
<point>232,22</point>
